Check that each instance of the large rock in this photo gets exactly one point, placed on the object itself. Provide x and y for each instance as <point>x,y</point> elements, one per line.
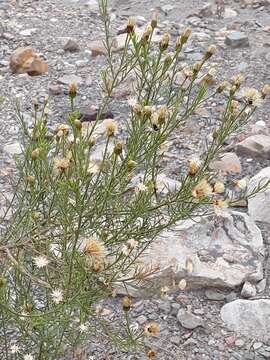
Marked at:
<point>236,39</point>
<point>259,205</point>
<point>227,163</point>
<point>188,320</point>
<point>248,317</point>
<point>221,252</point>
<point>24,60</point>
<point>257,146</point>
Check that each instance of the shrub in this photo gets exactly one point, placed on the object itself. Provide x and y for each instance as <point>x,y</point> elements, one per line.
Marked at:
<point>79,226</point>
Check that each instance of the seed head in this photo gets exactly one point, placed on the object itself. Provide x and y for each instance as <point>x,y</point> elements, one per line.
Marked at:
<point>131,24</point>
<point>152,354</point>
<point>73,90</point>
<point>147,111</point>
<point>238,80</point>
<point>95,251</point>
<point>78,124</point>
<point>131,164</point>
<point>118,148</point>
<point>194,166</point>
<point>154,21</point>
<point>164,42</point>
<point>111,127</point>
<point>35,153</point>
<point>223,86</point>
<point>265,91</point>
<point>62,164</point>
<point>185,35</point>
<point>210,51</point>
<point>30,179</point>
<point>252,97</point>
<point>202,190</point>
<point>137,109</point>
<point>219,187</point>
<point>151,329</point>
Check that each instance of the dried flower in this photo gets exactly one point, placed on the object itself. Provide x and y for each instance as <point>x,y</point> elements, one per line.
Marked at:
<point>238,80</point>
<point>118,148</point>
<point>223,86</point>
<point>62,129</point>
<point>125,250</point>
<point>164,291</point>
<point>131,24</point>
<point>162,114</point>
<point>265,91</point>
<point>164,42</point>
<point>137,109</point>
<point>151,329</point>
<point>132,101</point>
<point>62,164</point>
<point>202,189</point>
<point>252,96</point>
<point>152,354</point>
<point>93,168</point>
<point>147,111</point>
<point>41,261</point>
<point>95,252</point>
<point>126,303</point>
<point>30,179</point>
<point>57,296</point>
<point>131,164</point>
<point>111,127</point>
<point>14,349</point>
<point>132,243</point>
<point>73,90</point>
<point>182,284</point>
<point>185,35</point>
<point>189,265</point>
<point>146,34</point>
<point>194,166</point>
<point>210,51</point>
<point>35,153</point>
<point>241,184</point>
<point>219,187</point>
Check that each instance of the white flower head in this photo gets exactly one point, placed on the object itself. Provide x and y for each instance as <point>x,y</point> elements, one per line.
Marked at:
<point>83,328</point>
<point>41,261</point>
<point>57,296</point>
<point>14,349</point>
<point>252,96</point>
<point>141,187</point>
<point>132,101</point>
<point>28,357</point>
<point>125,250</point>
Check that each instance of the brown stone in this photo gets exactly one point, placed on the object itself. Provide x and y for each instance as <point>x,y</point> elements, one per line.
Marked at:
<point>256,146</point>
<point>97,48</point>
<point>24,60</point>
<point>228,163</point>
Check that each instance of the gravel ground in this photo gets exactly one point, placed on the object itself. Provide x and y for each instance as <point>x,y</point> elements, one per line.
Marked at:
<point>46,25</point>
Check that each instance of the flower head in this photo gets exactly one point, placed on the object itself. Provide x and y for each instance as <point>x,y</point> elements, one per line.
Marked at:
<point>73,90</point>
<point>202,189</point>
<point>62,164</point>
<point>126,303</point>
<point>164,42</point>
<point>252,96</point>
<point>83,328</point>
<point>182,284</point>
<point>265,90</point>
<point>96,253</point>
<point>93,168</point>
<point>131,24</point>
<point>241,184</point>
<point>111,127</point>
<point>152,354</point>
<point>62,129</point>
<point>141,187</point>
<point>219,187</point>
<point>41,261</point>
<point>194,166</point>
<point>151,328</point>
<point>14,349</point>
<point>28,357</point>
<point>57,296</point>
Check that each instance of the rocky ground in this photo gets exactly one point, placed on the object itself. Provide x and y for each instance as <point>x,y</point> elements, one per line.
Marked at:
<point>195,324</point>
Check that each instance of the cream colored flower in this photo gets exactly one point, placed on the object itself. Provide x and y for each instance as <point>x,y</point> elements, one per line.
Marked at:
<point>57,296</point>
<point>62,129</point>
<point>151,329</point>
<point>182,284</point>
<point>41,261</point>
<point>241,184</point>
<point>219,187</point>
<point>62,164</point>
<point>132,244</point>
<point>194,166</point>
<point>14,349</point>
<point>111,127</point>
<point>141,187</point>
<point>252,96</point>
<point>93,168</point>
<point>96,253</point>
<point>83,328</point>
<point>202,189</point>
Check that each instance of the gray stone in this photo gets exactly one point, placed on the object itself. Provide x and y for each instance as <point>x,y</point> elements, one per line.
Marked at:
<point>255,146</point>
<point>261,286</point>
<point>71,46</point>
<point>239,342</point>
<point>224,252</point>
<point>215,295</point>
<point>141,319</point>
<point>69,79</point>
<point>188,320</point>
<point>175,339</point>
<point>248,290</point>
<point>165,307</point>
<point>259,205</point>
<point>236,39</point>
<point>13,149</point>
<point>248,317</point>
<point>175,307</point>
<point>257,345</point>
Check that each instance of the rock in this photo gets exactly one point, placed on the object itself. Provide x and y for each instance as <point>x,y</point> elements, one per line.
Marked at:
<point>55,89</point>
<point>261,286</point>
<point>13,149</point>
<point>188,320</point>
<point>24,60</point>
<point>164,184</point>
<point>224,252</point>
<point>71,46</point>
<point>97,48</point>
<point>90,114</point>
<point>175,339</point>
<point>215,295</point>
<point>256,146</point>
<point>259,205</point>
<point>206,11</point>
<point>248,290</point>
<point>175,308</point>
<point>236,39</point>
<point>229,13</point>
<point>239,342</point>
<point>69,79</point>
<point>165,307</point>
<point>141,319</point>
<point>228,163</point>
<point>248,317</point>
<point>257,345</point>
